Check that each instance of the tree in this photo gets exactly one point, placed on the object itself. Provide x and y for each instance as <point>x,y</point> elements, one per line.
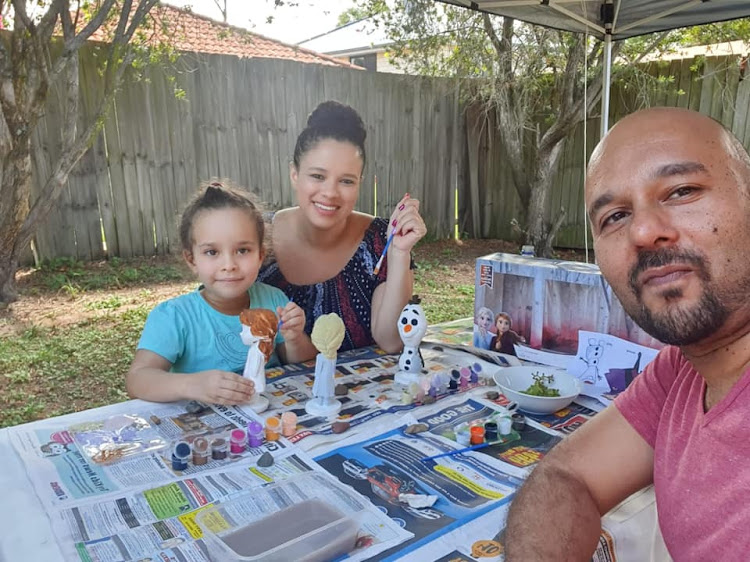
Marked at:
<point>356,13</point>
<point>41,53</point>
<point>537,82</point>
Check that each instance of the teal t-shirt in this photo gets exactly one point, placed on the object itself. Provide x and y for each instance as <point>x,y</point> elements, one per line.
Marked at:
<point>194,337</point>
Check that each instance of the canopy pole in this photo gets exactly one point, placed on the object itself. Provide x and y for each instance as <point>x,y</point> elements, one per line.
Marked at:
<point>607,80</point>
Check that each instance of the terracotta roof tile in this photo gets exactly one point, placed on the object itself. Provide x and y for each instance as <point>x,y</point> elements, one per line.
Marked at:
<point>187,31</point>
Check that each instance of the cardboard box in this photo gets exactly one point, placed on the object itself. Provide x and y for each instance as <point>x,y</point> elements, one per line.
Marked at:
<point>549,301</point>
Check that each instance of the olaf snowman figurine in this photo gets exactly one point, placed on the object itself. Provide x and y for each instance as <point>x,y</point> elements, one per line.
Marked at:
<point>412,326</point>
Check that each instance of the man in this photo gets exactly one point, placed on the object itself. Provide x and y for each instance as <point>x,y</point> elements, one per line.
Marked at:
<point>668,194</point>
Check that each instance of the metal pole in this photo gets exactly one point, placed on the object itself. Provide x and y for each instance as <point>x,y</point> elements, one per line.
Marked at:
<point>607,80</point>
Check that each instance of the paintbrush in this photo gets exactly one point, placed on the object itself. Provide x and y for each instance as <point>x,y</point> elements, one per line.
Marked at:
<point>385,251</point>
<point>457,451</point>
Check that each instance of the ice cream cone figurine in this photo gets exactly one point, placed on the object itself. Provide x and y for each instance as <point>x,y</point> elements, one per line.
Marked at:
<point>412,326</point>
<point>258,331</point>
<point>327,335</point>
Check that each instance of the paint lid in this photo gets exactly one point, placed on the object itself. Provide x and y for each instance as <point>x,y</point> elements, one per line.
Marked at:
<point>238,436</point>
<point>200,446</point>
<point>289,418</point>
<point>254,428</point>
<point>273,422</point>
<point>181,450</point>
<point>219,444</point>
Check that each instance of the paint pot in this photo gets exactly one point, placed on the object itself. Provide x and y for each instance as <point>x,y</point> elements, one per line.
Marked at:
<point>180,455</point>
<point>288,424</point>
<point>519,421</point>
<point>237,441</point>
<point>477,435</point>
<point>273,427</point>
<point>200,451</point>
<point>254,434</point>
<point>463,437</point>
<point>219,449</point>
<point>527,250</point>
<point>406,397</point>
<point>505,425</point>
<point>490,431</point>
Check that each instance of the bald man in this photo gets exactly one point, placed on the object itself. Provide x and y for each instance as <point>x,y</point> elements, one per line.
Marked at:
<point>667,191</point>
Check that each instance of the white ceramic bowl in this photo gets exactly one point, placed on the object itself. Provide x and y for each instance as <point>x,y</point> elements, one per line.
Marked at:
<point>513,380</point>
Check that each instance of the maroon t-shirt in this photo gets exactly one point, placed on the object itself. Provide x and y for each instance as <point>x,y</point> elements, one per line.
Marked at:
<point>701,459</point>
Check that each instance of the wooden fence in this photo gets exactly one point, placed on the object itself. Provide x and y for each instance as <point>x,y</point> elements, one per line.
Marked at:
<point>239,119</point>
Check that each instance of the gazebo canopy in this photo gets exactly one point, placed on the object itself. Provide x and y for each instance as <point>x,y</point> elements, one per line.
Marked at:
<point>619,19</point>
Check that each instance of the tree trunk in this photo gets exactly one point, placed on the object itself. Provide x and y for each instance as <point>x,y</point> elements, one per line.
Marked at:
<point>538,231</point>
<point>14,207</point>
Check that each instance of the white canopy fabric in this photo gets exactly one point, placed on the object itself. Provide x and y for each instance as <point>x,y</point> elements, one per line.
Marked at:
<point>619,19</point>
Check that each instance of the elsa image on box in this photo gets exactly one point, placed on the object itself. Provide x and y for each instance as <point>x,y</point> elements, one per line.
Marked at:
<point>483,324</point>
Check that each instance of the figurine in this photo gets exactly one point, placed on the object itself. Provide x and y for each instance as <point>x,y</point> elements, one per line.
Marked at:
<point>259,327</point>
<point>327,335</point>
<point>412,326</point>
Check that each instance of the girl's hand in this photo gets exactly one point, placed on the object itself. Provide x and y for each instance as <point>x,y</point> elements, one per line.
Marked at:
<point>291,321</point>
<point>407,223</point>
<point>220,387</point>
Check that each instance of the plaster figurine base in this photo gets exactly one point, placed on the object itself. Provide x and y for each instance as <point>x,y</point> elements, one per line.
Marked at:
<point>258,403</point>
<point>323,407</point>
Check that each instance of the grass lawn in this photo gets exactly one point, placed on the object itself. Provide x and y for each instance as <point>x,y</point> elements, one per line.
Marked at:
<point>66,344</point>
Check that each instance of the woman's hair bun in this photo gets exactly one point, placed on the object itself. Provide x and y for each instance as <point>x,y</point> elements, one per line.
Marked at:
<point>337,120</point>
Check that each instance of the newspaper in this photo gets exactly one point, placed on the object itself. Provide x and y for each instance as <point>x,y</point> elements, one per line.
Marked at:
<point>388,461</point>
<point>62,474</point>
<point>160,523</point>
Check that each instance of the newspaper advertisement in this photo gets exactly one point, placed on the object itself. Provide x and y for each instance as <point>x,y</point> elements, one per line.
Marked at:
<point>160,523</point>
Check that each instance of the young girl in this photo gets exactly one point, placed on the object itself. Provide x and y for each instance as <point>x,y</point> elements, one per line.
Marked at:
<point>325,252</point>
<point>506,338</point>
<point>197,336</point>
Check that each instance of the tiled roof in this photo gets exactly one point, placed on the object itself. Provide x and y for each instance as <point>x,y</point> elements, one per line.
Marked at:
<point>187,31</point>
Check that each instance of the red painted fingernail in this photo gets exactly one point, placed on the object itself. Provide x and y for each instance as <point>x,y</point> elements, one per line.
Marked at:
<point>407,195</point>
<point>401,207</point>
<point>394,222</point>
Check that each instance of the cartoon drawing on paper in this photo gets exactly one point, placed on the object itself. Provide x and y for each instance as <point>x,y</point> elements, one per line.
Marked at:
<point>593,355</point>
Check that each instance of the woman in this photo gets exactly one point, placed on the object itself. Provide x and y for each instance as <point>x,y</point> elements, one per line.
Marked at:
<point>324,252</point>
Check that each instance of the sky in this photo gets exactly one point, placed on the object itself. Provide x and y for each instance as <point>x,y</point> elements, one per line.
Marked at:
<point>290,24</point>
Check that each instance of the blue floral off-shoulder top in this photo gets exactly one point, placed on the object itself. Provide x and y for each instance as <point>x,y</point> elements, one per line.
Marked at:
<point>348,294</point>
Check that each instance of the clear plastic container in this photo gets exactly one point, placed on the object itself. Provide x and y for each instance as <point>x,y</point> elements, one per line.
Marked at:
<point>253,527</point>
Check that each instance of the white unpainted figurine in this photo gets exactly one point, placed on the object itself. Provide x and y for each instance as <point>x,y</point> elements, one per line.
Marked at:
<point>412,326</point>
<point>258,331</point>
<point>327,334</point>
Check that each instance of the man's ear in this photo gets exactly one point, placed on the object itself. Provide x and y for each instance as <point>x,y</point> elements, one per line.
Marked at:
<point>189,259</point>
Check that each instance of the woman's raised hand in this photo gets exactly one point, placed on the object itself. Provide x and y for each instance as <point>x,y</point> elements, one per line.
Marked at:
<point>407,224</point>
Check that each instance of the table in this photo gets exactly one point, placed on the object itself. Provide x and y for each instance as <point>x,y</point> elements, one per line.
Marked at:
<point>28,531</point>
